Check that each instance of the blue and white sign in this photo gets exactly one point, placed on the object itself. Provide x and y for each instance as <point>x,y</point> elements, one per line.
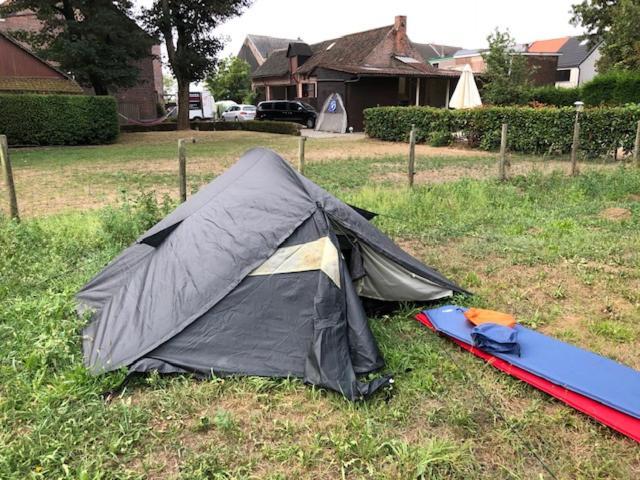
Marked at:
<point>333,105</point>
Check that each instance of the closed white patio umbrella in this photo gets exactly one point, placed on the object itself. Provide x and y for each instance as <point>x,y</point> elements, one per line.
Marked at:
<point>466,93</point>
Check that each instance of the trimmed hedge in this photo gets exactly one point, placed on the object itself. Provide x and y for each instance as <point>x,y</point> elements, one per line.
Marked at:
<point>555,96</point>
<point>613,88</point>
<point>58,119</point>
<point>531,130</point>
<point>285,128</point>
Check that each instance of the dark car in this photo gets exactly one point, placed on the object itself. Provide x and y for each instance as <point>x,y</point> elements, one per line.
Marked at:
<point>287,111</point>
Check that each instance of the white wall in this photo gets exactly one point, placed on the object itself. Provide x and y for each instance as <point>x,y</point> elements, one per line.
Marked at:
<point>573,78</point>
<point>588,67</point>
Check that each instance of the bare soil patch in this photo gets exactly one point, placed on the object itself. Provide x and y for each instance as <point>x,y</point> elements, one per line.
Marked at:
<point>616,214</point>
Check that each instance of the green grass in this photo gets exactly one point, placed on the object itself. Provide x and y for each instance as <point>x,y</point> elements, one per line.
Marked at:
<point>536,245</point>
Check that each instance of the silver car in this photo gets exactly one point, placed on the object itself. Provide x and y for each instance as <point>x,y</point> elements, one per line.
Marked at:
<point>239,113</point>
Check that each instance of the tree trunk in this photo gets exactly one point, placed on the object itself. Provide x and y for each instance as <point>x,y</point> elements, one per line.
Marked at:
<point>99,88</point>
<point>183,105</point>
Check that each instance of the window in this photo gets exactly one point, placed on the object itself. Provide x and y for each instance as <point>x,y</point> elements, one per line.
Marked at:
<point>563,75</point>
<point>249,108</point>
<point>295,107</point>
<point>266,106</point>
<point>280,106</point>
<point>309,90</point>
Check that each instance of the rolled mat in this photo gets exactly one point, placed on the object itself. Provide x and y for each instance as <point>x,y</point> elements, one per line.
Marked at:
<point>450,322</point>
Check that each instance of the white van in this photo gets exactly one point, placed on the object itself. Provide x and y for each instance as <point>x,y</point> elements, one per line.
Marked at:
<point>201,106</point>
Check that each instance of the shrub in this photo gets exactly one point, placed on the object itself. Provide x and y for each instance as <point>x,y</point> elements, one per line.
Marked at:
<point>531,130</point>
<point>554,96</point>
<point>286,128</point>
<point>612,88</point>
<point>58,119</point>
<point>440,138</point>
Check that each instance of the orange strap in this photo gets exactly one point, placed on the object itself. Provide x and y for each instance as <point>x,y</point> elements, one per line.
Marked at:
<point>478,316</point>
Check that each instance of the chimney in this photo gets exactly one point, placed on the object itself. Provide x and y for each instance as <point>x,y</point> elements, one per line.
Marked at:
<point>401,42</point>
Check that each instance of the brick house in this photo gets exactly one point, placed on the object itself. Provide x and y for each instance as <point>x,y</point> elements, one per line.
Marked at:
<point>578,59</point>
<point>139,102</point>
<point>376,67</point>
<point>22,71</point>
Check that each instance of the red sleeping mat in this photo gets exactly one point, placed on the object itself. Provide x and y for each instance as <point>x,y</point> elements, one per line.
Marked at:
<point>621,422</point>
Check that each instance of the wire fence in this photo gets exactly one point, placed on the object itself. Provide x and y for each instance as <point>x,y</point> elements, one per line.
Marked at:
<point>50,180</point>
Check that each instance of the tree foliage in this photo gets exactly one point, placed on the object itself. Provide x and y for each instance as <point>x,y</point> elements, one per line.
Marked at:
<point>231,81</point>
<point>187,27</point>
<point>615,24</point>
<point>507,74</point>
<point>95,40</point>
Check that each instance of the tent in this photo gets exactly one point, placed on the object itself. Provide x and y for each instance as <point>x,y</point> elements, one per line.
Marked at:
<point>333,116</point>
<point>466,94</point>
<point>259,273</point>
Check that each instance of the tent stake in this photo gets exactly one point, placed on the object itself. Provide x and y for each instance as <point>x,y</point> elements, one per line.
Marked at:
<point>8,177</point>
<point>503,153</point>
<point>301,143</point>
<point>412,155</point>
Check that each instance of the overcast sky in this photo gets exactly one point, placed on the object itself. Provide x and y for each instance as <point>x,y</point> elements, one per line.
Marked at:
<point>464,23</point>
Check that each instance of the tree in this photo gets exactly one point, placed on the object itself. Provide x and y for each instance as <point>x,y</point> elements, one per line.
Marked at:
<point>231,81</point>
<point>507,73</point>
<point>95,40</point>
<point>187,29</point>
<point>615,24</point>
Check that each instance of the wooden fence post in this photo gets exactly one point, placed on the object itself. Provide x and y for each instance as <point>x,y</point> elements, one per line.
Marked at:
<point>182,167</point>
<point>301,143</point>
<point>575,145</point>
<point>503,153</point>
<point>412,155</point>
<point>8,177</point>
<point>636,147</point>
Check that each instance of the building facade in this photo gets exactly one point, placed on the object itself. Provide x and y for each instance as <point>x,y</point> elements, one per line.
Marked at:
<point>140,102</point>
<point>376,67</point>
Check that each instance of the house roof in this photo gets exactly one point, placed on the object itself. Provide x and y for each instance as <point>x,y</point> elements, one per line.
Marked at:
<point>66,84</point>
<point>39,85</point>
<point>266,45</point>
<point>574,52</point>
<point>276,65</point>
<point>299,49</point>
<point>430,51</point>
<point>352,49</point>
<point>552,45</point>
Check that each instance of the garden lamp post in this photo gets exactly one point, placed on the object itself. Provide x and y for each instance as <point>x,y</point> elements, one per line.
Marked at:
<point>576,138</point>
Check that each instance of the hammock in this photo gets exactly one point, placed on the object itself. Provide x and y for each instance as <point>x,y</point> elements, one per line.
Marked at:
<point>149,123</point>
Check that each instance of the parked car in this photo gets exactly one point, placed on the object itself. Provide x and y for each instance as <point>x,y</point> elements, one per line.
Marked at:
<point>239,113</point>
<point>287,111</point>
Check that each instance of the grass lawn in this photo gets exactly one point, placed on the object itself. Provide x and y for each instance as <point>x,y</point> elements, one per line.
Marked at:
<point>562,254</point>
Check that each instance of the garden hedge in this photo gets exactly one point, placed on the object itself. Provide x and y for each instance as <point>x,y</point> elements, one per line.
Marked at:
<point>286,128</point>
<point>58,119</point>
<point>531,130</point>
<point>612,88</point>
<point>555,96</point>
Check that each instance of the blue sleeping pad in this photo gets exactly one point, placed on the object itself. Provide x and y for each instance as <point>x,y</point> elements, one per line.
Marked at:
<point>573,368</point>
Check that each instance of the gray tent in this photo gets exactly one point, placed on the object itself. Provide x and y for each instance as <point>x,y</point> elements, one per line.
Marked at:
<point>250,276</point>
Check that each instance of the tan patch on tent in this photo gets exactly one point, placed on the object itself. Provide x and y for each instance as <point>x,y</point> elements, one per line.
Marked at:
<point>616,214</point>
<point>320,254</point>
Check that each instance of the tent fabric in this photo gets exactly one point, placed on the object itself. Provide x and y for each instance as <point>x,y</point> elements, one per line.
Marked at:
<point>333,115</point>
<point>619,421</point>
<point>578,370</point>
<point>209,290</point>
<point>466,94</point>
